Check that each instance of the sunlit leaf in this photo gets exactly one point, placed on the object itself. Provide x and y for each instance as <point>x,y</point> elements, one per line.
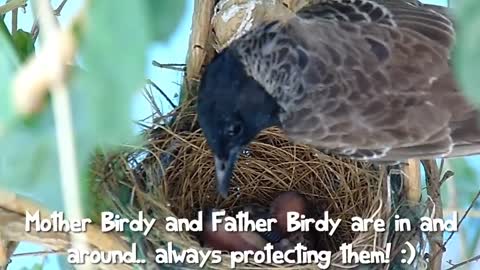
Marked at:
<point>113,53</point>
<point>24,44</point>
<point>467,54</point>
<point>164,16</point>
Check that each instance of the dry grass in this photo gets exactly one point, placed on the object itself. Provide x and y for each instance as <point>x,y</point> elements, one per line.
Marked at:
<point>175,177</point>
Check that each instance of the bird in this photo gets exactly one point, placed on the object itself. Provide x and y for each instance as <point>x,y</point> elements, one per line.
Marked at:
<point>221,239</point>
<point>287,201</point>
<point>368,80</point>
<point>284,203</point>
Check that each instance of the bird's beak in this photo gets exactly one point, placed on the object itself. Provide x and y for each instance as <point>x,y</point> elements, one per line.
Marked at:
<point>224,170</point>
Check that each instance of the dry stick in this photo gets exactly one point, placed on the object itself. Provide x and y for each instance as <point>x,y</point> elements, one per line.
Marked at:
<point>435,239</point>
<point>463,217</point>
<point>473,259</point>
<point>12,228</point>
<point>64,128</point>
<point>162,93</point>
<point>177,67</point>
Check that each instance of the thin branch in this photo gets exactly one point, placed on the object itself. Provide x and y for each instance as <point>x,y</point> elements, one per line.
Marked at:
<point>463,217</point>
<point>177,67</point>
<point>435,239</point>
<point>39,253</point>
<point>447,175</point>
<point>455,266</point>
<point>162,93</point>
<point>14,20</point>
<point>63,121</point>
<point>59,9</point>
<point>11,5</point>
<point>35,28</point>
<point>34,32</point>
<point>471,214</point>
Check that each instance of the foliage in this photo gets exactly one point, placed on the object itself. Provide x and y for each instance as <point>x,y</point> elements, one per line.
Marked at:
<point>113,53</point>
<point>467,53</point>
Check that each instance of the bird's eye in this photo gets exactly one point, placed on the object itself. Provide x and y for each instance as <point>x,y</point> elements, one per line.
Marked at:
<point>234,129</point>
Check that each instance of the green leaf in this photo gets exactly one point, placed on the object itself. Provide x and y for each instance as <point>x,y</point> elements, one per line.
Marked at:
<point>463,170</point>
<point>465,178</point>
<point>29,163</point>
<point>467,54</point>
<point>24,44</point>
<point>8,67</point>
<point>113,51</point>
<point>164,16</point>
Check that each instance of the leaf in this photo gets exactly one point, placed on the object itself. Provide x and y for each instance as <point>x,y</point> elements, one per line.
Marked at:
<point>465,178</point>
<point>24,44</point>
<point>466,53</point>
<point>463,170</point>
<point>164,16</point>
<point>8,67</point>
<point>113,52</point>
<point>114,55</point>
<point>29,163</point>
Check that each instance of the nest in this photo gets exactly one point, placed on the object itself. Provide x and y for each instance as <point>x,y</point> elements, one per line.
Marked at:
<point>173,176</point>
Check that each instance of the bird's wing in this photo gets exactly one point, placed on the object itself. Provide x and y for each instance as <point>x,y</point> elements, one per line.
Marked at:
<point>368,79</point>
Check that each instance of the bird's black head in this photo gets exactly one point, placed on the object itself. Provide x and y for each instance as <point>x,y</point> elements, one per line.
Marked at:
<point>232,109</point>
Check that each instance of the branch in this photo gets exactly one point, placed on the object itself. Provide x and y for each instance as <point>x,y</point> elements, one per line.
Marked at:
<point>435,239</point>
<point>463,217</point>
<point>67,155</point>
<point>473,259</point>
<point>162,93</point>
<point>35,28</point>
<point>12,228</point>
<point>11,5</point>
<point>176,67</point>
<point>33,80</point>
<point>59,9</point>
<point>14,20</point>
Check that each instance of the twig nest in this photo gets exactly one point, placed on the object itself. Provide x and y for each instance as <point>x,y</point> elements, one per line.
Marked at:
<point>233,18</point>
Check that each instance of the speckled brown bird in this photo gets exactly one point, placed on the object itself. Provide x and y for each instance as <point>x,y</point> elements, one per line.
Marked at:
<point>370,80</point>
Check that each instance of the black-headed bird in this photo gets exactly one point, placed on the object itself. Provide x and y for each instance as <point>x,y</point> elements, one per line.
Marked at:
<point>370,80</point>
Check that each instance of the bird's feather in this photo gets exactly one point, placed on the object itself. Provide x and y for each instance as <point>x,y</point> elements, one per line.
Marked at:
<point>367,79</point>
